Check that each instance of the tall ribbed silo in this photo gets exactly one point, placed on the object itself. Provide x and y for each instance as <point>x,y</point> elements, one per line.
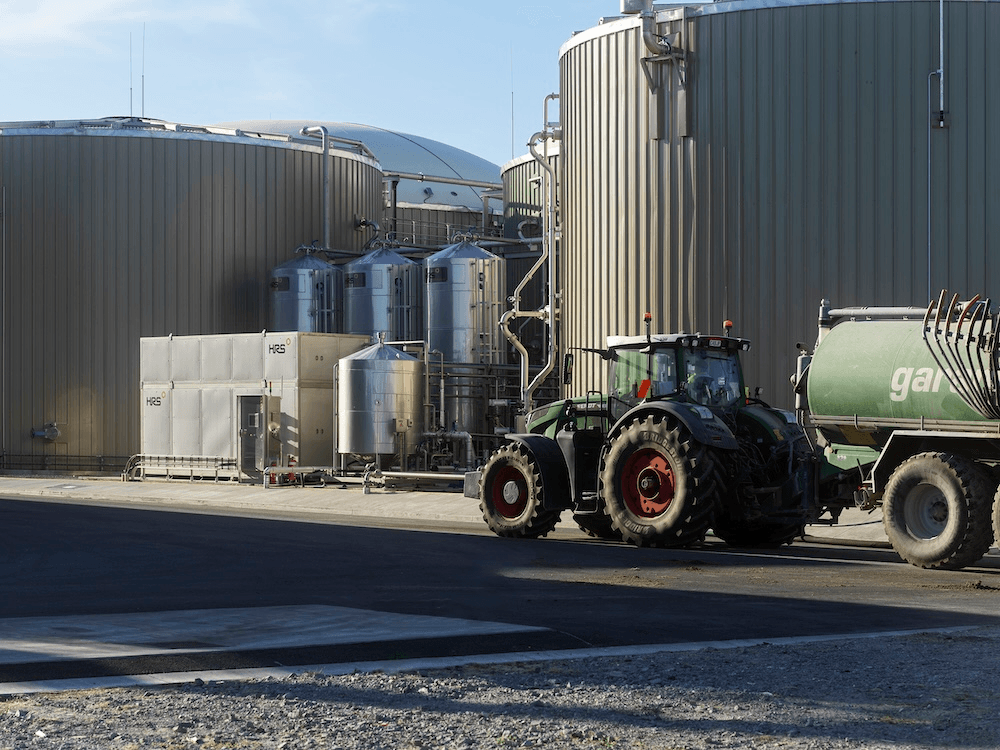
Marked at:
<point>119,229</point>
<point>465,300</point>
<point>307,294</point>
<point>743,160</point>
<point>384,293</point>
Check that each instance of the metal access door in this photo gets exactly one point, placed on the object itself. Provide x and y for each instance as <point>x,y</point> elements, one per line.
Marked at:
<point>260,429</point>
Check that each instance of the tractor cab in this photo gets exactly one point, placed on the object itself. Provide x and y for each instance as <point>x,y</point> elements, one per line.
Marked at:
<point>703,370</point>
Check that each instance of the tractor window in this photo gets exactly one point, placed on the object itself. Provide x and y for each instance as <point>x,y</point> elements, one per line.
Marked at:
<point>712,377</point>
<point>631,367</point>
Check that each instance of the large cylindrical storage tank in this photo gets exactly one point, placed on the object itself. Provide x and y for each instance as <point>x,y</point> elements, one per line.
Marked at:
<point>380,395</point>
<point>465,300</point>
<point>792,155</point>
<point>114,230</point>
<point>307,294</point>
<point>384,293</point>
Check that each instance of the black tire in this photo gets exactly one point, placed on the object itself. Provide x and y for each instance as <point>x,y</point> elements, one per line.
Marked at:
<point>598,525</point>
<point>510,495</point>
<point>996,517</point>
<point>936,511</point>
<point>658,484</point>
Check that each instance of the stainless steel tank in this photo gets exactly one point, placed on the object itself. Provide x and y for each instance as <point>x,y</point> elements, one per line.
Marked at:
<point>466,295</point>
<point>384,293</point>
<point>307,295</point>
<point>466,291</point>
<point>380,394</point>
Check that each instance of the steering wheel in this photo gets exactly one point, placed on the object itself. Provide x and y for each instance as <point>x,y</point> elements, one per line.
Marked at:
<point>700,389</point>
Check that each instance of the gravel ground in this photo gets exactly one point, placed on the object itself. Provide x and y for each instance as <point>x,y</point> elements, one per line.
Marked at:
<point>898,693</point>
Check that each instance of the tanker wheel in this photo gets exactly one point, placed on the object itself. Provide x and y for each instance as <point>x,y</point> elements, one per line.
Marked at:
<point>658,484</point>
<point>598,525</point>
<point>936,511</point>
<point>510,495</point>
<point>996,517</point>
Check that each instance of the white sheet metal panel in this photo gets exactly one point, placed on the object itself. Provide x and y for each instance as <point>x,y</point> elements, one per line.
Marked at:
<point>154,359</point>
<point>248,358</point>
<point>799,171</point>
<point>217,359</point>
<point>120,229</point>
<point>156,411</point>
<point>219,429</point>
<point>186,421</point>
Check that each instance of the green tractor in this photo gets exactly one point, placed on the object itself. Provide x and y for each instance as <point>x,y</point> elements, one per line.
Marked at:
<point>676,448</point>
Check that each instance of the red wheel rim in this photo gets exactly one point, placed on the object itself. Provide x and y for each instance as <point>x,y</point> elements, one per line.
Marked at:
<point>647,483</point>
<point>510,492</point>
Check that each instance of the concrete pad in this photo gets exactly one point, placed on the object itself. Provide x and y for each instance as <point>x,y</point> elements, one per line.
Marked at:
<point>854,526</point>
<point>206,495</point>
<point>47,639</point>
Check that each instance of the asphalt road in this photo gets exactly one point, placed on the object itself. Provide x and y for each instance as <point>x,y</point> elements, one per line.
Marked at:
<point>65,560</point>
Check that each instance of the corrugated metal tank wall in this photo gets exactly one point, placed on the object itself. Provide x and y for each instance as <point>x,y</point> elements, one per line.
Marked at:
<point>803,174</point>
<point>432,226</point>
<point>522,189</point>
<point>111,235</point>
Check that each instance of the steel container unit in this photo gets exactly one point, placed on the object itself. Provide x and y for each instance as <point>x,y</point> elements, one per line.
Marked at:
<point>307,294</point>
<point>195,390</point>
<point>793,153</point>
<point>117,229</point>
<point>881,369</point>
<point>384,293</point>
<point>380,395</point>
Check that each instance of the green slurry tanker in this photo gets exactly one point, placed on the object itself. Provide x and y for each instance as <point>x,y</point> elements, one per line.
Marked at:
<point>910,396</point>
<point>898,407</point>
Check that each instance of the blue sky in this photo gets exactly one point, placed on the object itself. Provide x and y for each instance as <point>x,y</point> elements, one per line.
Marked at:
<point>442,69</point>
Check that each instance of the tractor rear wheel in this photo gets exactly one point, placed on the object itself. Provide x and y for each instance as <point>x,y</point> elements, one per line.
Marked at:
<point>597,525</point>
<point>658,484</point>
<point>936,511</point>
<point>510,495</point>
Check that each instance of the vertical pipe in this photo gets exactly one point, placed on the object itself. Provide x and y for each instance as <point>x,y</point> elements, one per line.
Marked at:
<point>941,58</point>
<point>313,130</point>
<point>3,321</point>
<point>326,188</point>
<point>930,188</point>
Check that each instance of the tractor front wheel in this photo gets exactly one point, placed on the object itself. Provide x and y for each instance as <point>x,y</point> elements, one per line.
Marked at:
<point>658,484</point>
<point>510,495</point>
<point>936,511</point>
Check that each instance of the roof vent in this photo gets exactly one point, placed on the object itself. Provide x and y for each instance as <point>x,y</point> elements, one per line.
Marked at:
<point>633,7</point>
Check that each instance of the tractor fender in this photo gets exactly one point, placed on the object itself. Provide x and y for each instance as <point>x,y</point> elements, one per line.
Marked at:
<point>548,456</point>
<point>704,424</point>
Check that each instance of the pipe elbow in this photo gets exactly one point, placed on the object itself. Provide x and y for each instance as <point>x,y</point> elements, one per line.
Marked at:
<point>653,41</point>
